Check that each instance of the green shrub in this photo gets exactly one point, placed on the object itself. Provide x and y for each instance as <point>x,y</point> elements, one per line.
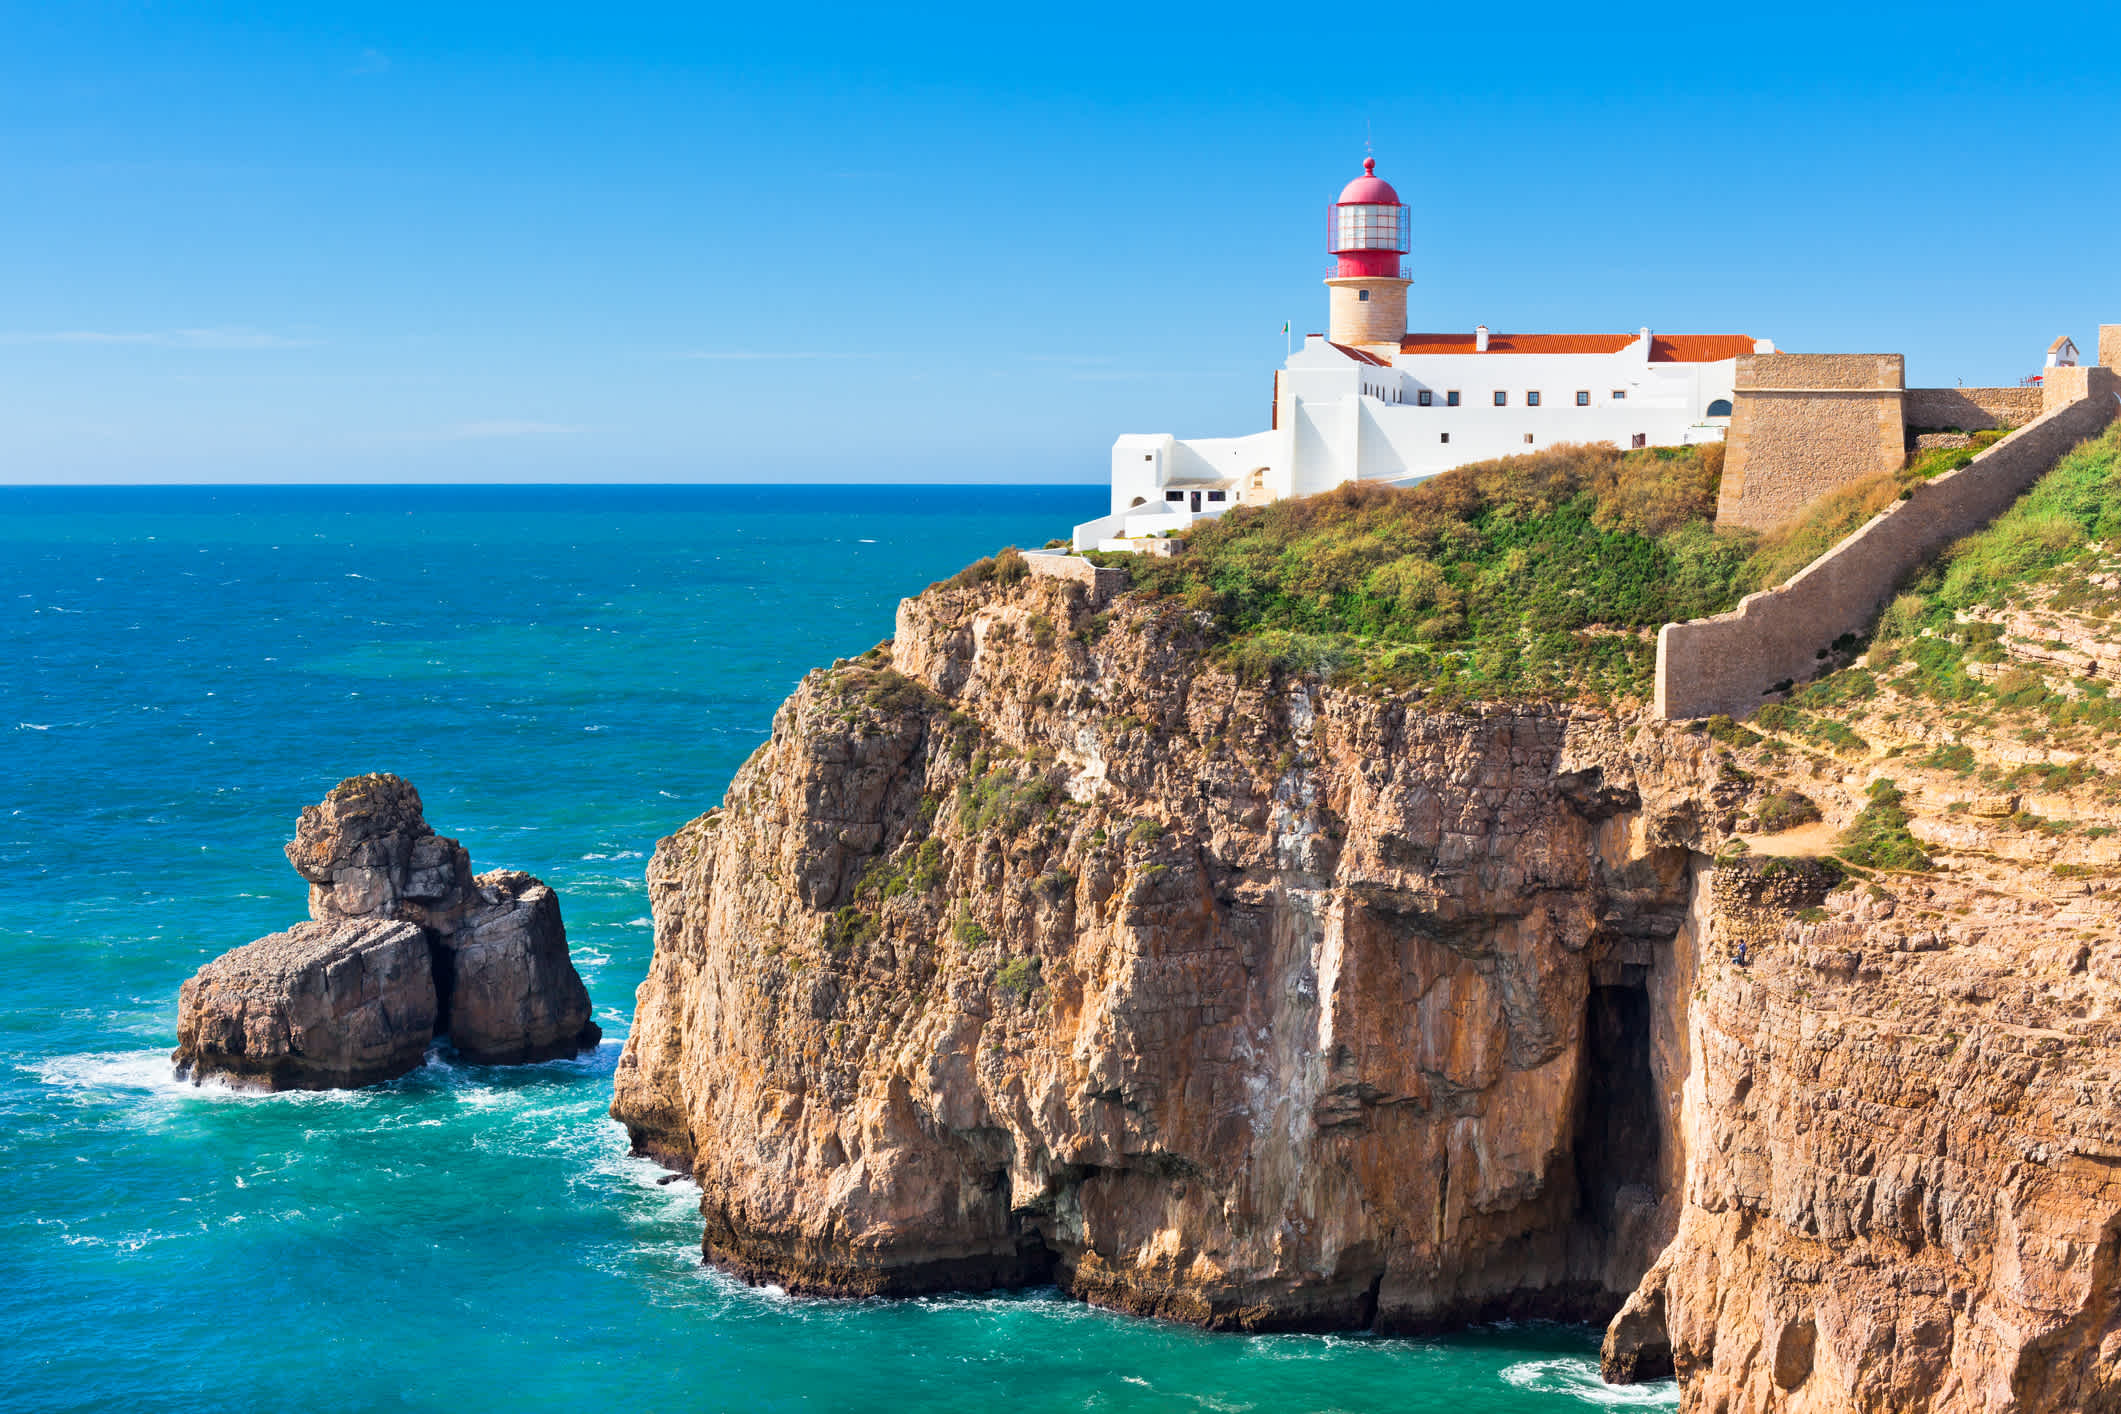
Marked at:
<point>1786,810</point>
<point>969,933</point>
<point>1010,567</point>
<point>1019,977</point>
<point>1001,802</point>
<point>1145,832</point>
<point>848,928</point>
<point>1878,838</point>
<point>918,871</point>
<point>1722,728</point>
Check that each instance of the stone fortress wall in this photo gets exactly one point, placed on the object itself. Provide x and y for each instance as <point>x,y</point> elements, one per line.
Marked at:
<point>1728,663</point>
<point>1806,424</point>
<point>1970,409</point>
<point>1101,583</point>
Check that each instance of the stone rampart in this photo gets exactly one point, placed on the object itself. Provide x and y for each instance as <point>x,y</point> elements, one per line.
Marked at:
<point>1806,424</point>
<point>1730,662</point>
<point>2110,345</point>
<point>1101,583</point>
<point>1971,409</point>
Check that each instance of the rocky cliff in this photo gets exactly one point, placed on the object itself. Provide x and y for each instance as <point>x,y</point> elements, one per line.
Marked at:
<point>1035,945</point>
<point>404,944</point>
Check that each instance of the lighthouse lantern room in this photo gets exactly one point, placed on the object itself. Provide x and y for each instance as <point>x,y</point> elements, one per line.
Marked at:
<point>1366,231</point>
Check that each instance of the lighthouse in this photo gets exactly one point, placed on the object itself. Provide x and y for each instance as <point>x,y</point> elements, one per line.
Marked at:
<point>1366,231</point>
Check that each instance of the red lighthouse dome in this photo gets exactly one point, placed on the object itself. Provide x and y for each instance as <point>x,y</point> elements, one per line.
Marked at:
<point>1367,227</point>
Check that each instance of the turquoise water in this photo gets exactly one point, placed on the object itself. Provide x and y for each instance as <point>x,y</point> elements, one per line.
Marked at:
<point>566,674</point>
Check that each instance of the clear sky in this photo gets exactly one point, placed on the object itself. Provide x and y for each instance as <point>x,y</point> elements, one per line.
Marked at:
<point>435,242</point>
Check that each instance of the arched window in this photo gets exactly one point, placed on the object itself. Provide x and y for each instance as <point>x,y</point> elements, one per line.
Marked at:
<point>1259,479</point>
<point>1720,408</point>
<point>1139,501</point>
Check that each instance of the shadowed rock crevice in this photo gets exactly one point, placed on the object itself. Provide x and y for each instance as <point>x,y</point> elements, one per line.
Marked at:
<point>405,944</point>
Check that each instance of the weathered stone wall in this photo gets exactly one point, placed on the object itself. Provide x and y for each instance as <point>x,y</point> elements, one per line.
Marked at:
<point>1971,409</point>
<point>1807,424</point>
<point>1729,662</point>
<point>1102,583</point>
<point>2110,345</point>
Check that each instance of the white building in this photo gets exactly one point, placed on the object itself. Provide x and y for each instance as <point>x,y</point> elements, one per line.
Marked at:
<point>1367,401</point>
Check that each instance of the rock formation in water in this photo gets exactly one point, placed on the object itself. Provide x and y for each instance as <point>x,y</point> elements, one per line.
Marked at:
<point>322,1006</point>
<point>406,944</point>
<point>1035,945</point>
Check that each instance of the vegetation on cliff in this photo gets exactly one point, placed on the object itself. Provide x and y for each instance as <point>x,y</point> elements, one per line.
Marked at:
<point>1981,631</point>
<point>1545,575</point>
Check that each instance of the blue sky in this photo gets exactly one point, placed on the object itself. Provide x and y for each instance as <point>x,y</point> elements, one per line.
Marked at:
<point>514,242</point>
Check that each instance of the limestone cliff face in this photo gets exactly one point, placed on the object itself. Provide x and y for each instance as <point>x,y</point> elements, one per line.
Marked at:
<point>1034,944</point>
<point>1903,1140</point>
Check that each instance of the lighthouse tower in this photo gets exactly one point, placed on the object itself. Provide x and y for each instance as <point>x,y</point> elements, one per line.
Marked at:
<point>1366,301</point>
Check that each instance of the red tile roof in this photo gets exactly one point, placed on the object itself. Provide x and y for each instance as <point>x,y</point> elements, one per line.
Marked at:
<point>1517,343</point>
<point>1664,348</point>
<point>1698,348</point>
<point>1360,357</point>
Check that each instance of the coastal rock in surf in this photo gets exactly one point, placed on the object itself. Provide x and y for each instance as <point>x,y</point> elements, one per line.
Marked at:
<point>509,993</point>
<point>322,1006</point>
<point>315,1007</point>
<point>514,995</point>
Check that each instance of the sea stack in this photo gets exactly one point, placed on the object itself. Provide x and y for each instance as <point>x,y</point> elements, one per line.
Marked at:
<point>405,944</point>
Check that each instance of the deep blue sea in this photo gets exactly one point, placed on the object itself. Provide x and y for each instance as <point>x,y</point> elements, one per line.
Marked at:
<point>566,674</point>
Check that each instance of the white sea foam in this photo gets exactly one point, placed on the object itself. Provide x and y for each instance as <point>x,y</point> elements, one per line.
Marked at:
<point>134,1075</point>
<point>1578,1378</point>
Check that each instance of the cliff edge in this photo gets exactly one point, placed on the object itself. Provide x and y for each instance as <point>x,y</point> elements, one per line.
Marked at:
<point>1043,943</point>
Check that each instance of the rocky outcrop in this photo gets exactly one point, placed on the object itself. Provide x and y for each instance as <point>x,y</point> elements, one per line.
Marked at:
<point>322,1006</point>
<point>316,1007</point>
<point>1035,946</point>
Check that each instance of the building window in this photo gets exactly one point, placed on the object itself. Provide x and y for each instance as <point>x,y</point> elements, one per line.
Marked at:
<point>1583,397</point>
<point>1148,456</point>
<point>1720,408</point>
<point>1425,397</point>
<point>1447,436</point>
<point>1531,399</point>
<point>1450,399</point>
<point>1502,399</point>
<point>1180,495</point>
<point>1362,296</point>
<point>1619,394</point>
<point>1215,495</point>
<point>1642,439</point>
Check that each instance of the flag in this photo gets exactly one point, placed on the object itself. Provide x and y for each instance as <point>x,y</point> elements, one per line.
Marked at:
<point>1285,326</point>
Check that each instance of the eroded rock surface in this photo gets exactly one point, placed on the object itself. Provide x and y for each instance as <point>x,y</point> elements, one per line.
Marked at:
<point>496,975</point>
<point>322,1006</point>
<point>1035,945</point>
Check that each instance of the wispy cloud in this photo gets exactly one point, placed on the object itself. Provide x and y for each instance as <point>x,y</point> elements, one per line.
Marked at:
<point>499,428</point>
<point>372,61</point>
<point>752,354</point>
<point>222,339</point>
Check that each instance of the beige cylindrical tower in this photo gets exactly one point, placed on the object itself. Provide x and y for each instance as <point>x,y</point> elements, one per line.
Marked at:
<point>1366,309</point>
<point>2110,346</point>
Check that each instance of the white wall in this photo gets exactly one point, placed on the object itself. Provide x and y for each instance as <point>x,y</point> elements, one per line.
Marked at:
<point>1341,418</point>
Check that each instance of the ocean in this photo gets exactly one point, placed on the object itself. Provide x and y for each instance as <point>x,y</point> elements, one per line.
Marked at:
<point>566,673</point>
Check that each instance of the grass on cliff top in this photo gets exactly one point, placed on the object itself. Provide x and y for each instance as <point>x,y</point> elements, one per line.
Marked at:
<point>1934,642</point>
<point>1544,575</point>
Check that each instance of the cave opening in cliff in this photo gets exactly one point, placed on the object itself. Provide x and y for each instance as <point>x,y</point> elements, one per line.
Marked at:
<point>1619,1133</point>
